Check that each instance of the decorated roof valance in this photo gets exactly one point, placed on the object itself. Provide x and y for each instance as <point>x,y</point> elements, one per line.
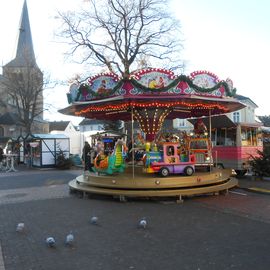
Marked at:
<point>150,82</point>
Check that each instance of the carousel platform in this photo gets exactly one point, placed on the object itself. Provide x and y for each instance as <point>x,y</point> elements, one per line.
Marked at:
<point>149,185</point>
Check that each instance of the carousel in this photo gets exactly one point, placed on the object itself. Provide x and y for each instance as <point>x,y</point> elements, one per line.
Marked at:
<point>170,165</point>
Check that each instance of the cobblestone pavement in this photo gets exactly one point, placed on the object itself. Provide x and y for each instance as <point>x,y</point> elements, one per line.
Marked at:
<point>240,202</point>
<point>206,232</point>
<point>34,178</point>
<point>33,193</point>
<point>253,183</point>
<point>40,185</point>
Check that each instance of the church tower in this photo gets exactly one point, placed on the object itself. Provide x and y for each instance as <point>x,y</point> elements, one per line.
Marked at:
<point>25,51</point>
<point>20,73</point>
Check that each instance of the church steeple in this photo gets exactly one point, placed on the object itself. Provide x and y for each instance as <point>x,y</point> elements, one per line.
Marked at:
<point>25,36</point>
<point>25,51</point>
<point>24,83</point>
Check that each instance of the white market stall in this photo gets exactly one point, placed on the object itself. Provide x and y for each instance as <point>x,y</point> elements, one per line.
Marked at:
<point>43,149</point>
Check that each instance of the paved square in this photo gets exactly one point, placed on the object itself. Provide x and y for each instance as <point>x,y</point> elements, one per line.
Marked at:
<point>216,232</point>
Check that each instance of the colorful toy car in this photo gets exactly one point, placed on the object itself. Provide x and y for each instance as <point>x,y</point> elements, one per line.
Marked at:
<point>201,147</point>
<point>169,161</point>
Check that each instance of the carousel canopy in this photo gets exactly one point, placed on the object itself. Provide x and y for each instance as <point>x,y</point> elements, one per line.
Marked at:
<point>151,96</point>
<point>107,97</point>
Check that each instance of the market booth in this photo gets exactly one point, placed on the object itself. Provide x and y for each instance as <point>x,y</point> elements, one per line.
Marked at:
<point>41,150</point>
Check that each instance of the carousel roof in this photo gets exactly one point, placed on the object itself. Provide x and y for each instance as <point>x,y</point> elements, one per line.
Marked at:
<point>106,96</point>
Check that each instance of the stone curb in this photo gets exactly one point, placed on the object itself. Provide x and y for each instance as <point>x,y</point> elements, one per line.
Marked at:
<point>256,190</point>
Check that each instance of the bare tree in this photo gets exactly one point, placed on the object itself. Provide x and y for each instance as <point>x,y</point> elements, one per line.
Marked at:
<point>25,87</point>
<point>265,120</point>
<point>119,34</point>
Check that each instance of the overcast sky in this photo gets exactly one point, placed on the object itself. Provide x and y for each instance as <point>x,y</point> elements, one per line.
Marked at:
<point>229,38</point>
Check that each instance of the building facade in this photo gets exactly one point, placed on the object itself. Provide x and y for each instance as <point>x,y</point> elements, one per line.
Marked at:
<point>247,114</point>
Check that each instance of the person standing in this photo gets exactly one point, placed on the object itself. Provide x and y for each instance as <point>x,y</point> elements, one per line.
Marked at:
<point>93,155</point>
<point>1,158</point>
<point>86,156</point>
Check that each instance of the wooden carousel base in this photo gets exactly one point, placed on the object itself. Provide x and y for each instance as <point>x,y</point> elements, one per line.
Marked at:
<point>139,184</point>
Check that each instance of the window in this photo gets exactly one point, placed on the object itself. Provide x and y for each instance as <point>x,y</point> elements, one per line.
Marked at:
<point>236,117</point>
<point>230,137</point>
<point>170,151</point>
<point>182,122</point>
<point>221,135</point>
<point>178,123</point>
<point>249,136</point>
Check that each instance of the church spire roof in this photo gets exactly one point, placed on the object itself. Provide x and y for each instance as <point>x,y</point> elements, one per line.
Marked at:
<point>25,51</point>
